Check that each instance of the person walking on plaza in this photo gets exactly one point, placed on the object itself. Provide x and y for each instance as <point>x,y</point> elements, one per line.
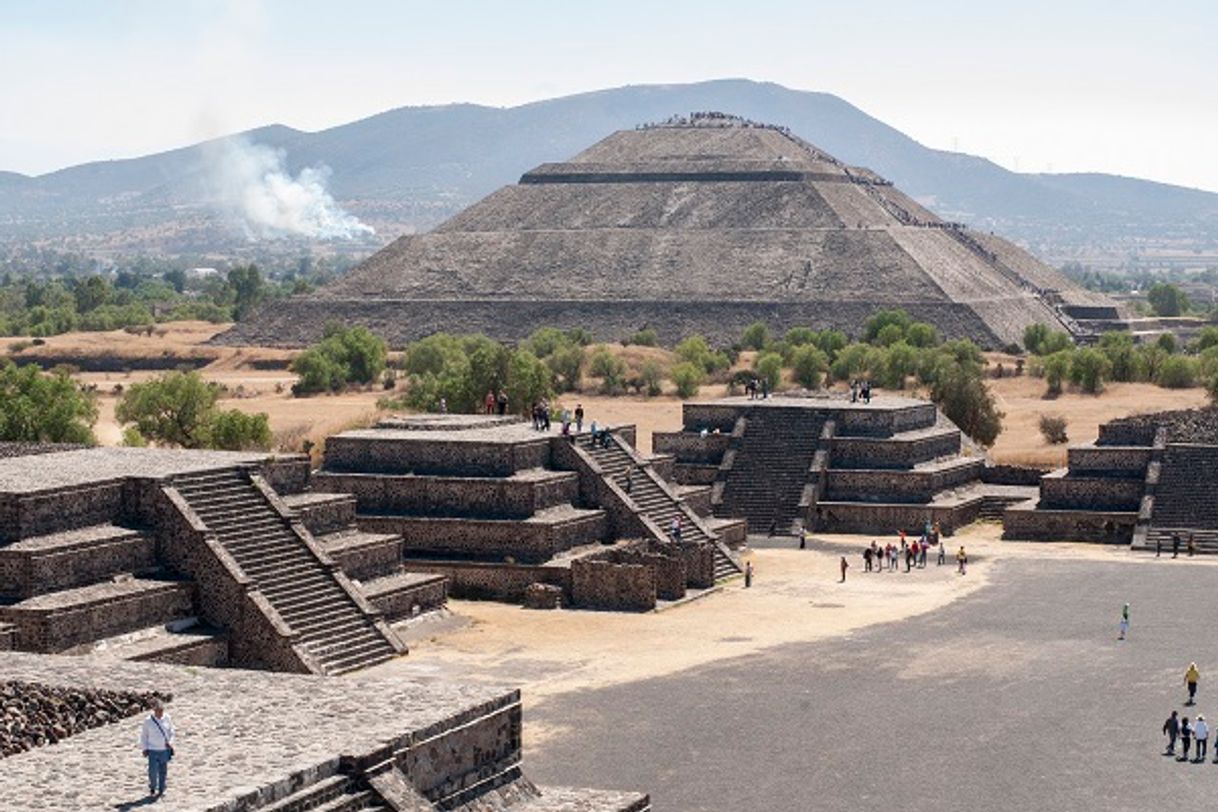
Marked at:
<point>579,417</point>
<point>1191,677</point>
<point>1158,546</point>
<point>1186,739</point>
<point>1124,623</point>
<point>866,559</point>
<point>156,741</point>
<point>490,402</point>
<point>748,574</point>
<point>845,565</point>
<point>1175,545</point>
<point>1201,732</point>
<point>942,553</point>
<point>1171,729</point>
<point>803,538</point>
<point>961,560</point>
<point>1192,545</point>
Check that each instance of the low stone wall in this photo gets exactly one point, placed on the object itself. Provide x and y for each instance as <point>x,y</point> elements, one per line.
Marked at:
<point>542,596</point>
<point>484,497</point>
<point>909,486</point>
<point>366,555</point>
<point>893,452</point>
<point>695,474</point>
<point>859,517</point>
<point>1066,490</point>
<point>1039,524</point>
<point>37,514</point>
<point>8,637</point>
<point>525,541</point>
<point>1127,461</point>
<point>324,515</point>
<point>288,473</point>
<point>431,455</point>
<point>53,627</point>
<point>698,500</point>
<point>669,568</point>
<point>29,568</point>
<point>691,446</point>
<point>402,596</point>
<point>732,532</point>
<point>200,652</point>
<point>1012,475</point>
<point>699,562</point>
<point>616,587</point>
<point>477,580</point>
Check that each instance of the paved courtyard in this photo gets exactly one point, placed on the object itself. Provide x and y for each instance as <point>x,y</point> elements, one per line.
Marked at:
<point>1016,697</point>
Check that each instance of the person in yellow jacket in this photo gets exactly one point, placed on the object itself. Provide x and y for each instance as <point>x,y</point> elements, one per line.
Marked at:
<point>1191,676</point>
<point>961,560</point>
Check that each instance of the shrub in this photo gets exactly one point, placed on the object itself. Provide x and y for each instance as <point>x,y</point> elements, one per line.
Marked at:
<point>756,336</point>
<point>885,318</point>
<point>344,355</point>
<point>921,334</point>
<point>1034,336</point>
<point>799,336</point>
<point>1177,372</point>
<point>651,379</point>
<point>50,407</point>
<point>889,334</point>
<point>687,377</point>
<point>694,350</point>
<point>1056,369</point>
<point>831,342</point>
<point>900,362</point>
<point>528,380</point>
<point>1053,429</point>
<point>1207,338</point>
<point>645,338</point>
<point>179,409</point>
<point>1119,349</point>
<point>234,430</point>
<point>1089,369</point>
<point>610,369</point>
<point>769,368</point>
<point>1167,342</point>
<point>809,365</point>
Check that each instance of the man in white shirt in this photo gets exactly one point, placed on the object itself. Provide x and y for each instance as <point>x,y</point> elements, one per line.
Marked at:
<point>156,740</point>
<point>1202,731</point>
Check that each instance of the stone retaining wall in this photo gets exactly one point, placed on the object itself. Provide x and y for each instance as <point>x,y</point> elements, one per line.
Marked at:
<point>398,600</point>
<point>525,541</point>
<point>483,497</point>
<point>328,515</point>
<point>894,452</point>
<point>26,571</point>
<point>361,561</point>
<point>1115,461</point>
<point>478,580</point>
<point>616,587</point>
<point>1012,475</point>
<point>888,486</point>
<point>8,637</point>
<point>1041,524</point>
<point>36,514</point>
<point>858,517</point>
<point>432,455</point>
<point>1061,490</point>
<point>691,446</point>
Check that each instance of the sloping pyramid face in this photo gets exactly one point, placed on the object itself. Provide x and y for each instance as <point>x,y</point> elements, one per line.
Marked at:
<point>698,226</point>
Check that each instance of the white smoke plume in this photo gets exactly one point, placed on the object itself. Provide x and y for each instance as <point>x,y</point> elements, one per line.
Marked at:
<point>252,182</point>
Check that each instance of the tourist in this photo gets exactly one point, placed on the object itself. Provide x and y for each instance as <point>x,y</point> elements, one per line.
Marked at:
<point>854,390</point>
<point>1171,729</point>
<point>579,417</point>
<point>502,402</point>
<point>156,740</point>
<point>910,555</point>
<point>1192,545</point>
<point>748,574</point>
<point>892,558</point>
<point>490,402</point>
<point>922,556</point>
<point>803,538</point>
<point>867,559</point>
<point>1124,623</point>
<point>765,388</point>
<point>876,558</point>
<point>1186,739</point>
<point>866,391</point>
<point>1201,732</point>
<point>443,405</point>
<point>629,485</point>
<point>936,532</point>
<point>942,551</point>
<point>1158,546</point>
<point>844,565</point>
<point>675,528</point>
<point>961,560</point>
<point>1191,677</point>
<point>1175,544</point>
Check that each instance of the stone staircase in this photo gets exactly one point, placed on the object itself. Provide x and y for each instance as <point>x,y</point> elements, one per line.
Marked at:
<point>338,793</point>
<point>765,482</point>
<point>1187,492</point>
<point>655,501</point>
<point>302,588</point>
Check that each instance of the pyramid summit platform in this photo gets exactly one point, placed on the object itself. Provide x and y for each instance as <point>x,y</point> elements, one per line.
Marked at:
<point>698,225</point>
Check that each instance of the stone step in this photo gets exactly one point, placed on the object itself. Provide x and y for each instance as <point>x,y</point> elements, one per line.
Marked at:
<point>355,662</point>
<point>48,563</point>
<point>314,796</point>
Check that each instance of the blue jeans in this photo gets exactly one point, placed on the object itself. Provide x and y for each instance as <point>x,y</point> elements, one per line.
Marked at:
<point>158,770</point>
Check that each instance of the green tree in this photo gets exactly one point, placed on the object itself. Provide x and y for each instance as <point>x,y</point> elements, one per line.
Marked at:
<point>756,336</point>
<point>1119,349</point>
<point>651,378</point>
<point>885,318</point>
<point>799,336</point>
<point>645,338</point>
<point>1167,342</point>
<point>962,395</point>
<point>248,289</point>
<point>831,342</point>
<point>610,369</point>
<point>889,334</point>
<point>850,361</point>
<point>921,334</point>
<point>1167,300</point>
<point>694,350</point>
<point>1034,336</point>
<point>234,430</point>
<point>345,355</point>
<point>1089,369</point>
<point>1207,338</point>
<point>49,408</point>
<point>529,380</point>
<point>900,363</point>
<point>1057,370</point>
<point>809,365</point>
<point>1177,372</point>
<point>91,293</point>
<point>769,367</point>
<point>687,377</point>
<point>172,410</point>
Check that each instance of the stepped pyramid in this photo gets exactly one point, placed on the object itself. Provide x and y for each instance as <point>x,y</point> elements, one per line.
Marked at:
<point>700,224</point>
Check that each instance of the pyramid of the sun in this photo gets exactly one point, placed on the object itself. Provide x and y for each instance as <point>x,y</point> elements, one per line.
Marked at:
<point>697,225</point>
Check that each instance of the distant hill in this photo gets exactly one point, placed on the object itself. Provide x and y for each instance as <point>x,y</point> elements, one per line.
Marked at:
<point>409,168</point>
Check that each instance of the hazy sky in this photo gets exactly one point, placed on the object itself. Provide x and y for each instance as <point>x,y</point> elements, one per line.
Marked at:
<point>1069,85</point>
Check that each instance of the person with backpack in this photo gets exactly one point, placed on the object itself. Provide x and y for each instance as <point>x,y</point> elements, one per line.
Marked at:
<point>1186,739</point>
<point>1171,729</point>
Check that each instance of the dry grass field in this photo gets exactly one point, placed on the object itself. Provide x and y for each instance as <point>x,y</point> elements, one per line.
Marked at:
<point>257,380</point>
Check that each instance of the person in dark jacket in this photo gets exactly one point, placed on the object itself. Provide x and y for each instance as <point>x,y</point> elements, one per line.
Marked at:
<point>1186,739</point>
<point>1171,729</point>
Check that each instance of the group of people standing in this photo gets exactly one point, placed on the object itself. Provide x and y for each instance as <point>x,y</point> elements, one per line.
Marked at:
<point>888,557</point>
<point>860,390</point>
<point>757,388</point>
<point>1178,728</point>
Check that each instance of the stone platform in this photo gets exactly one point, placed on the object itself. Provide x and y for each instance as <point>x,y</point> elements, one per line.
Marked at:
<point>246,740</point>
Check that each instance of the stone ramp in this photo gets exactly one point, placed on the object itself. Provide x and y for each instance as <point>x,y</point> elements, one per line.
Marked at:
<point>307,592</point>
